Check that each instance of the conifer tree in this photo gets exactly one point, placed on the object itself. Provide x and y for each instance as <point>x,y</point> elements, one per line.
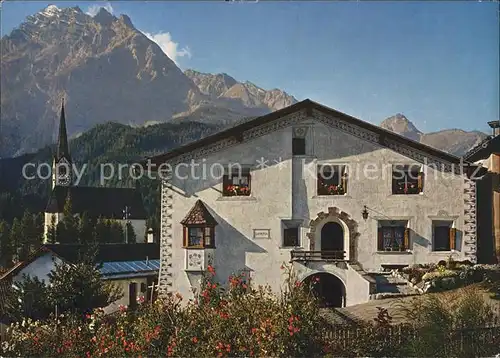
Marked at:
<point>86,229</point>
<point>32,230</point>
<point>131,237</point>
<point>117,234</point>
<point>79,288</point>
<point>102,232</point>
<point>52,231</point>
<point>15,238</point>
<point>5,245</point>
<point>67,231</point>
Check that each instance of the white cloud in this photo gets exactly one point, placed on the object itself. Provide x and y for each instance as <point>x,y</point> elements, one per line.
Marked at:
<point>168,46</point>
<point>94,9</point>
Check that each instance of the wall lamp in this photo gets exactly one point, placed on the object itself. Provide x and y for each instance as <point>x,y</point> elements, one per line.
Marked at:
<point>365,213</point>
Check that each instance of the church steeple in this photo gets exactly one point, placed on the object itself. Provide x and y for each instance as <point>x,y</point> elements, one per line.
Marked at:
<point>62,139</point>
<point>62,166</point>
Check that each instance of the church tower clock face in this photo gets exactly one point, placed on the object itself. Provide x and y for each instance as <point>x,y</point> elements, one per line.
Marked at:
<point>63,172</point>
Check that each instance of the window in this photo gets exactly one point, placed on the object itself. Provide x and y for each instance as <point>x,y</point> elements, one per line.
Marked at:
<point>407,179</point>
<point>236,183</point>
<point>199,236</point>
<point>444,236</point>
<point>291,237</point>
<point>393,236</point>
<point>332,180</point>
<point>195,236</point>
<point>298,146</point>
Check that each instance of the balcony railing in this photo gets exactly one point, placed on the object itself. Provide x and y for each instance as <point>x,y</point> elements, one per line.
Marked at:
<point>318,255</point>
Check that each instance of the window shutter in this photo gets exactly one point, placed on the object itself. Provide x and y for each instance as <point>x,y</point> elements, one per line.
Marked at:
<point>184,236</point>
<point>406,243</point>
<point>344,179</point>
<point>421,181</point>
<point>380,239</point>
<point>453,238</point>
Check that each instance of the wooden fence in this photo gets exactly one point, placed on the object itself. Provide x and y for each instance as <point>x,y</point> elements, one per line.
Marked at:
<point>397,339</point>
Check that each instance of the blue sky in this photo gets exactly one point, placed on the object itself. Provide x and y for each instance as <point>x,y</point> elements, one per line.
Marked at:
<point>435,62</point>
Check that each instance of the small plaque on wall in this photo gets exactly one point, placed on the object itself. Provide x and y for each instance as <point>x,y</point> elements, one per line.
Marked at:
<point>261,233</point>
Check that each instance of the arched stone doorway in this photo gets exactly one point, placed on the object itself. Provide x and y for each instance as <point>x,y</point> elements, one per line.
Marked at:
<point>328,288</point>
<point>349,229</point>
<point>332,240</point>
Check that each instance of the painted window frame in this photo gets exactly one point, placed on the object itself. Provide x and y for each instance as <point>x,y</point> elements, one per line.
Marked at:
<point>451,235</point>
<point>417,185</point>
<point>405,238</point>
<point>337,185</point>
<point>232,183</point>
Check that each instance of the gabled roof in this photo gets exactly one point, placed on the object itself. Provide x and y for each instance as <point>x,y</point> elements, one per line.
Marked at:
<point>199,215</point>
<point>105,253</point>
<point>307,105</point>
<point>98,201</point>
<point>484,149</point>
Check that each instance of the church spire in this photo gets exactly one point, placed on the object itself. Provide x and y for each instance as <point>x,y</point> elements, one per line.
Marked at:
<point>62,139</point>
<point>62,168</point>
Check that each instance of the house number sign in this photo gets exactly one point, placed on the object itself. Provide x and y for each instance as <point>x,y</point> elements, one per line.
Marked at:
<point>261,233</point>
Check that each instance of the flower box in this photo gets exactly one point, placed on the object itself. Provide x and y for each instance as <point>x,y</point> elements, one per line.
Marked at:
<point>236,190</point>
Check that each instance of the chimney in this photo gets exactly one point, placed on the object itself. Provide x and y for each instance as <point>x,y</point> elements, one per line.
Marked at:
<point>150,238</point>
<point>495,125</point>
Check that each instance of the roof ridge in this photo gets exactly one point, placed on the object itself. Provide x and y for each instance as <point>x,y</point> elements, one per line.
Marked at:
<point>308,105</point>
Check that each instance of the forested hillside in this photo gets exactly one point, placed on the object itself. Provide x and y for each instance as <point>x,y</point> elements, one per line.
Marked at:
<point>106,143</point>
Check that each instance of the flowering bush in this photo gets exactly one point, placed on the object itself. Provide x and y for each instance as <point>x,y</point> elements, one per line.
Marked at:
<point>415,273</point>
<point>237,321</point>
<point>439,274</point>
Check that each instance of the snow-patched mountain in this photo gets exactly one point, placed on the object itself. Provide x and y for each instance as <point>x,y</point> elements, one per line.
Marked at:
<point>106,70</point>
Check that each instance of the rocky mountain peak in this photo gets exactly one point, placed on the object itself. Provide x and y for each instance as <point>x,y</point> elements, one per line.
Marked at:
<point>454,141</point>
<point>51,10</point>
<point>401,125</point>
<point>212,85</point>
<point>126,21</point>
<point>104,17</point>
<point>224,87</point>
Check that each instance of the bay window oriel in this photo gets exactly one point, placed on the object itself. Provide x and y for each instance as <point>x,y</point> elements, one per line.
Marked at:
<point>199,227</point>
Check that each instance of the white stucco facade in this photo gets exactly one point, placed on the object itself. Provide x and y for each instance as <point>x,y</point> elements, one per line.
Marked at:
<point>286,190</point>
<point>40,268</point>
